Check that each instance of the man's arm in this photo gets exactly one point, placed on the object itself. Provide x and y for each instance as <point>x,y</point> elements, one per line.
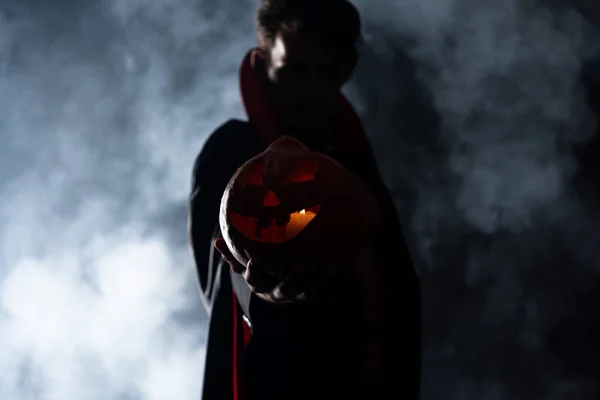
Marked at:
<point>217,162</point>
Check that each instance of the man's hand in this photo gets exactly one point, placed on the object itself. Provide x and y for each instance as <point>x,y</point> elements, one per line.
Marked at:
<point>221,246</point>
<point>280,283</point>
<point>263,280</point>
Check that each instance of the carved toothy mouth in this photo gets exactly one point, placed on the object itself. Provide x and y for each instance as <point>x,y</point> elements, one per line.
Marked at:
<point>253,228</point>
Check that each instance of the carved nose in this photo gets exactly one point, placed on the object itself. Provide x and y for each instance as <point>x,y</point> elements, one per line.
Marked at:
<point>271,199</point>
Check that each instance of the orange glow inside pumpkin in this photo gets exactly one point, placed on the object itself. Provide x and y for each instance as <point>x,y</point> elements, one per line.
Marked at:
<point>249,226</point>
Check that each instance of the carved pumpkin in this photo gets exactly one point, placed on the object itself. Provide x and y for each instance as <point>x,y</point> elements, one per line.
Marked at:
<point>290,205</point>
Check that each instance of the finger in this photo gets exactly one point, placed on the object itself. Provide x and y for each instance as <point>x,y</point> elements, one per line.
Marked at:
<point>221,246</point>
<point>226,254</point>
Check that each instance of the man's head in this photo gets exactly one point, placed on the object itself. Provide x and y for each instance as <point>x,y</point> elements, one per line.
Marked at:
<point>308,49</point>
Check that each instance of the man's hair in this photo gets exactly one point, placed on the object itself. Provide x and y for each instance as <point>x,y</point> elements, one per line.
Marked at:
<point>336,23</point>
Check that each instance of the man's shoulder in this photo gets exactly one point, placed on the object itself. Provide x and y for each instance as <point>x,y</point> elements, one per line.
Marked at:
<point>231,143</point>
<point>235,125</point>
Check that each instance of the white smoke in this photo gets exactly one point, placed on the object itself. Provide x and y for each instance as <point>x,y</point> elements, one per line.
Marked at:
<point>504,77</point>
<point>104,107</point>
<point>500,236</point>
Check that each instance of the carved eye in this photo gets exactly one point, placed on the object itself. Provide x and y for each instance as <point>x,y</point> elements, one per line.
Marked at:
<point>305,172</point>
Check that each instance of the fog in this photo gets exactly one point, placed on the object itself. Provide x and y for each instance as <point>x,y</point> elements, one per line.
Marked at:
<point>473,108</point>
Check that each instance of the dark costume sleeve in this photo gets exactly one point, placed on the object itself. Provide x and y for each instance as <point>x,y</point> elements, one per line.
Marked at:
<point>223,152</point>
<point>403,290</point>
<point>203,217</point>
<point>217,162</point>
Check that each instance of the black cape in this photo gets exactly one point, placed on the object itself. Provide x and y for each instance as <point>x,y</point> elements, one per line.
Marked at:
<point>309,350</point>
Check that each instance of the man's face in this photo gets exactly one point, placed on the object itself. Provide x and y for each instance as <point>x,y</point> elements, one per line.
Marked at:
<point>305,81</point>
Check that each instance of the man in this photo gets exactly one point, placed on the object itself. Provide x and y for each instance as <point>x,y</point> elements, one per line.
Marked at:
<point>291,85</point>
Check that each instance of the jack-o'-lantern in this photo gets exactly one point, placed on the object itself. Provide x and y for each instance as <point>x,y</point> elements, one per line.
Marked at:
<point>290,205</point>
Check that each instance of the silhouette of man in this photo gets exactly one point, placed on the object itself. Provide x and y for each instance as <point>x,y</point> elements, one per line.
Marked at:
<point>258,349</point>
